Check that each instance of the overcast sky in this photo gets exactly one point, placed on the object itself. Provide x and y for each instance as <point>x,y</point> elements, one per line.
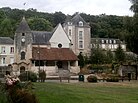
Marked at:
<point>93,7</point>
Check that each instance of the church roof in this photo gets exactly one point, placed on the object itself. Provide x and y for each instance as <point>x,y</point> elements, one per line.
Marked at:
<point>41,37</point>
<point>6,40</point>
<point>56,54</point>
<point>23,26</point>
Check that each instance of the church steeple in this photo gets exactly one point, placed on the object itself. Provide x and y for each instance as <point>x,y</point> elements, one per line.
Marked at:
<point>23,26</point>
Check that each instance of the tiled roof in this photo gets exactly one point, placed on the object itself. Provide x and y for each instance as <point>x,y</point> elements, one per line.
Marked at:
<point>58,54</point>
<point>41,37</point>
<point>23,27</point>
<point>6,40</point>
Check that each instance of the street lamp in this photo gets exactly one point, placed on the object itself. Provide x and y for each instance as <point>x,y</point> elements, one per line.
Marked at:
<point>39,62</point>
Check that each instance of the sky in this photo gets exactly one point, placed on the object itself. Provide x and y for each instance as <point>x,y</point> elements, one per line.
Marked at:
<point>92,7</point>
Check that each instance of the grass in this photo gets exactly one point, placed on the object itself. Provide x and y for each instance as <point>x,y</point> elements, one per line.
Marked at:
<point>126,92</point>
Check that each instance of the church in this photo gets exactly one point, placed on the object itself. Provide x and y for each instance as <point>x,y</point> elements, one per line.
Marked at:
<point>50,51</point>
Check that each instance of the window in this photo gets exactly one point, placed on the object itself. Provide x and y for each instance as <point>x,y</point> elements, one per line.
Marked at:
<point>69,32</point>
<point>60,45</point>
<point>107,41</point>
<point>110,41</point>
<point>80,44</point>
<point>12,50</point>
<point>80,23</point>
<point>23,34</point>
<point>102,41</point>
<point>114,41</point>
<point>3,49</point>
<point>3,61</point>
<point>80,40</point>
<point>69,23</point>
<point>80,35</point>
<point>22,55</point>
<point>11,60</point>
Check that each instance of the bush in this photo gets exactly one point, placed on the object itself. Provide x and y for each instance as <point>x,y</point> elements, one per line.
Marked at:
<point>112,79</point>
<point>92,78</point>
<point>28,76</point>
<point>42,75</point>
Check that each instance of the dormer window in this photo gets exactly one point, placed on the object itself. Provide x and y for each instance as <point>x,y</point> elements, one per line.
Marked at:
<point>80,23</point>
<point>69,23</point>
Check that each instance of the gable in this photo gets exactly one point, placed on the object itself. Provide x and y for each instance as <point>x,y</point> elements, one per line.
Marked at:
<point>59,37</point>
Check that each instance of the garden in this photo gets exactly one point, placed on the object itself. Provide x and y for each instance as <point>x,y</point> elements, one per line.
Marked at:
<point>102,92</point>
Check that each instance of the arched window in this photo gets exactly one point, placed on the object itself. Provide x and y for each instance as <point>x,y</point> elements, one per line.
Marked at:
<point>22,55</point>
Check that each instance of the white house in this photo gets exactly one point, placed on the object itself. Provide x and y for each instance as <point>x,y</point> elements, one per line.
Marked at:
<point>6,54</point>
<point>107,43</point>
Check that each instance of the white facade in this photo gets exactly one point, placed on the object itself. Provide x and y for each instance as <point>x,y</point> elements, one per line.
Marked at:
<point>107,43</point>
<point>60,37</point>
<point>6,54</point>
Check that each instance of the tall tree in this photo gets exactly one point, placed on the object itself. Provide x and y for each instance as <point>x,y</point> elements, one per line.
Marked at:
<point>119,54</point>
<point>132,40</point>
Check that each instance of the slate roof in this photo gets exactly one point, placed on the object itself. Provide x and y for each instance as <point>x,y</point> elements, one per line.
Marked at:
<point>23,27</point>
<point>6,40</point>
<point>56,54</point>
<point>41,37</point>
<point>75,20</point>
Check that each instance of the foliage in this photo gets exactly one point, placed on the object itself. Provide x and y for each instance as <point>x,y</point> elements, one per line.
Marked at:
<point>101,25</point>
<point>112,79</point>
<point>81,60</point>
<point>92,78</point>
<point>119,54</point>
<point>28,76</point>
<point>39,24</point>
<point>97,56</point>
<point>17,92</point>
<point>42,75</point>
<point>132,39</point>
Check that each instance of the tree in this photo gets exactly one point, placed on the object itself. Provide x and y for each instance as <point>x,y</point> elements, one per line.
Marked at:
<point>132,40</point>
<point>81,60</point>
<point>119,54</point>
<point>6,28</point>
<point>97,56</point>
<point>109,56</point>
<point>39,24</point>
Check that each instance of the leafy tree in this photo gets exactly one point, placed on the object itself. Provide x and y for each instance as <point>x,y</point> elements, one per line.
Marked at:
<point>39,24</point>
<point>132,40</point>
<point>97,56</point>
<point>59,17</point>
<point>6,28</point>
<point>119,54</point>
<point>81,60</point>
<point>109,57</point>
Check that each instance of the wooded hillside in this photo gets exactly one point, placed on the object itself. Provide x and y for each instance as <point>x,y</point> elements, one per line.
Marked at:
<point>103,25</point>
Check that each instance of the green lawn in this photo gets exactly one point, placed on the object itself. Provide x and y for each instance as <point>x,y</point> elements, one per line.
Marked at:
<point>126,92</point>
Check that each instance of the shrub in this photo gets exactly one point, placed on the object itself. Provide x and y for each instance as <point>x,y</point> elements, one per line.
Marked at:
<point>26,76</point>
<point>112,79</point>
<point>42,75</point>
<point>17,92</point>
<point>92,78</point>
